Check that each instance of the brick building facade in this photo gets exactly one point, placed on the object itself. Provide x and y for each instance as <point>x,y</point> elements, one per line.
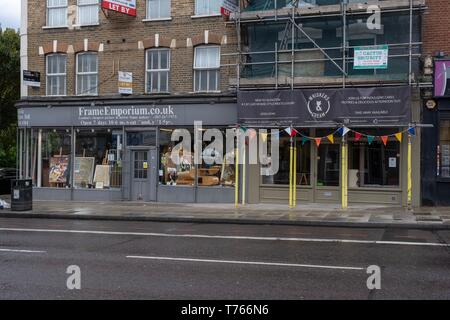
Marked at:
<point>121,42</point>
<point>80,139</point>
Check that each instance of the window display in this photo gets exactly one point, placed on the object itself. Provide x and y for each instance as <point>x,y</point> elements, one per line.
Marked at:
<point>445,148</point>
<point>182,173</point>
<point>216,170</point>
<point>98,158</point>
<point>53,167</point>
<point>303,162</point>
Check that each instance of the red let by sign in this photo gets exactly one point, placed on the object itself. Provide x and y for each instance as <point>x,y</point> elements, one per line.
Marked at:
<point>127,7</point>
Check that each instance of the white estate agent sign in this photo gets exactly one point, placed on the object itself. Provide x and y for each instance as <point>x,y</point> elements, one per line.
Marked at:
<point>372,57</point>
<point>127,7</point>
<point>228,7</point>
<point>125,82</point>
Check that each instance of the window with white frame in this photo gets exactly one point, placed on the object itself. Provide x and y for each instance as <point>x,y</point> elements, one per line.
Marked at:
<point>56,13</point>
<point>158,67</point>
<point>206,68</point>
<point>88,12</point>
<point>207,7</point>
<point>158,9</point>
<point>56,75</point>
<point>87,73</point>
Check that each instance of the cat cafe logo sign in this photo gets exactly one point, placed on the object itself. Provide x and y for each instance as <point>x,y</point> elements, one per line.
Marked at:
<point>318,105</point>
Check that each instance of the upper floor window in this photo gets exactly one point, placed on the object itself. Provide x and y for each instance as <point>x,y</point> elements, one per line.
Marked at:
<point>158,67</point>
<point>87,12</point>
<point>206,68</point>
<point>87,73</point>
<point>158,9</point>
<point>56,75</point>
<point>56,13</point>
<point>207,7</point>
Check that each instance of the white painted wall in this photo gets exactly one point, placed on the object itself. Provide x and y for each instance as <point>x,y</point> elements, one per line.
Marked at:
<point>23,45</point>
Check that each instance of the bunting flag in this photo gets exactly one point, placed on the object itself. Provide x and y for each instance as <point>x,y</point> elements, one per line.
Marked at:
<point>345,130</point>
<point>370,139</point>
<point>318,141</point>
<point>331,138</point>
<point>263,136</point>
<point>384,139</point>
<point>291,131</point>
<point>304,140</point>
<point>357,136</point>
<point>399,136</point>
<point>412,131</point>
<point>252,133</point>
<point>243,128</point>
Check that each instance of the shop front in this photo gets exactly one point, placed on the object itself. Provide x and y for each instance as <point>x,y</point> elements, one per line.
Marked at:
<point>436,140</point>
<point>98,150</point>
<point>366,130</point>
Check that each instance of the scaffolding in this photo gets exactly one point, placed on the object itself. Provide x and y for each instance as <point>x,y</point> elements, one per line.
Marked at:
<point>293,14</point>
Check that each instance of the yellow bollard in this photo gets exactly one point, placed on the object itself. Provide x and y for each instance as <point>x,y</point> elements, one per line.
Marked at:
<point>294,192</point>
<point>291,150</point>
<point>409,196</point>
<point>344,171</point>
<point>236,178</point>
<point>244,160</point>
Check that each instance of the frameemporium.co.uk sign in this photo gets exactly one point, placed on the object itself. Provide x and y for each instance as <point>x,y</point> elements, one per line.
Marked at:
<point>127,115</point>
<point>372,57</point>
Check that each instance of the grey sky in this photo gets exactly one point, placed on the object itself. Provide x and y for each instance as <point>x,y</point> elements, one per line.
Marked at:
<point>10,13</point>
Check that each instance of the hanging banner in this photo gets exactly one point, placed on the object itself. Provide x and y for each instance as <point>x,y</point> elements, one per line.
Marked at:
<point>127,7</point>
<point>371,57</point>
<point>228,7</point>
<point>442,78</point>
<point>312,107</point>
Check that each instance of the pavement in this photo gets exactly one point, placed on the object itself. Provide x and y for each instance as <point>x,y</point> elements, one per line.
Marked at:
<point>304,214</point>
<point>39,258</point>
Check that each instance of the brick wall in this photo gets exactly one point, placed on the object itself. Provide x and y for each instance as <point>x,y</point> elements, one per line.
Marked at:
<point>120,36</point>
<point>436,27</point>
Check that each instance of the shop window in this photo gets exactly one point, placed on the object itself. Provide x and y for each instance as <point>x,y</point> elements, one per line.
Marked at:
<point>328,165</point>
<point>444,147</point>
<point>87,73</point>
<point>303,163</point>
<point>98,158</point>
<point>88,12</point>
<point>374,165</point>
<point>182,172</point>
<point>51,164</point>
<point>158,9</point>
<point>207,7</point>
<point>56,13</point>
<point>56,75</point>
<point>328,160</point>
<point>217,169</point>
<point>206,68</point>
<point>158,67</point>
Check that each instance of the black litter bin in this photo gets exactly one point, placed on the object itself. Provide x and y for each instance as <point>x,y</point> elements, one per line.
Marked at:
<point>21,195</point>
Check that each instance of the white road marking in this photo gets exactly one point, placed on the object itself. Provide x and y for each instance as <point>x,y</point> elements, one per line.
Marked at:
<point>21,251</point>
<point>248,262</point>
<point>204,236</point>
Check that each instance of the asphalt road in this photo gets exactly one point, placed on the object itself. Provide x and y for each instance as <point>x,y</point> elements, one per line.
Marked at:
<point>147,260</point>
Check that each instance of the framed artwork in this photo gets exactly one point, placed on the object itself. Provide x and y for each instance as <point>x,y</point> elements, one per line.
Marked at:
<point>83,171</point>
<point>58,169</point>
